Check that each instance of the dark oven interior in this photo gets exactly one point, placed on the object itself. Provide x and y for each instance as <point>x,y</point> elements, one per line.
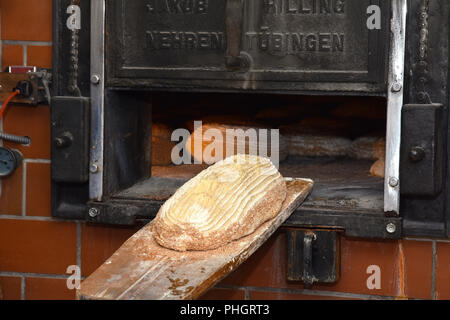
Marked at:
<point>337,141</point>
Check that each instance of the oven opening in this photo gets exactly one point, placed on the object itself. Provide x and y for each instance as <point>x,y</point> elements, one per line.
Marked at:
<point>338,141</point>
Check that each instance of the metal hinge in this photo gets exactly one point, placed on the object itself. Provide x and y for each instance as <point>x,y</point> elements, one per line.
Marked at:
<point>313,256</point>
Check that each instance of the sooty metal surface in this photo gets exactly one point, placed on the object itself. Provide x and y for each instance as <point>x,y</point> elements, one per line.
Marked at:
<point>238,44</point>
<point>351,200</point>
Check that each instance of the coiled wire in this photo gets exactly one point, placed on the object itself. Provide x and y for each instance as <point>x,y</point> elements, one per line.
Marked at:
<point>15,139</point>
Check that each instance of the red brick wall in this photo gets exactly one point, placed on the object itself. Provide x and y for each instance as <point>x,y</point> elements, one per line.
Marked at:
<point>35,250</point>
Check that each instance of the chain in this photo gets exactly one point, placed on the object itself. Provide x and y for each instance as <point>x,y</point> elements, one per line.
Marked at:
<point>74,46</point>
<point>423,50</point>
<point>423,41</point>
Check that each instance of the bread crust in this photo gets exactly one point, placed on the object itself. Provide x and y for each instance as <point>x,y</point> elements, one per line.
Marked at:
<point>282,149</point>
<point>186,237</point>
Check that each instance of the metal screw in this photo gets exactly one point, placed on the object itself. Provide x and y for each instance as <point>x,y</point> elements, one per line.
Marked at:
<point>94,168</point>
<point>396,87</point>
<point>95,79</point>
<point>417,154</point>
<point>64,140</point>
<point>59,142</point>
<point>421,96</point>
<point>393,182</point>
<point>391,228</point>
<point>93,212</point>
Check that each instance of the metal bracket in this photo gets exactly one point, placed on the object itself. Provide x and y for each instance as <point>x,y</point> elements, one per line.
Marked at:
<point>395,103</point>
<point>313,256</point>
<point>35,80</point>
<point>422,162</point>
<point>70,138</point>
<point>97,98</point>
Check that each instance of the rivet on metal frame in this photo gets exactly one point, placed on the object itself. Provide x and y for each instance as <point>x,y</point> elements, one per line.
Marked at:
<point>391,228</point>
<point>396,87</point>
<point>93,168</point>
<point>93,212</point>
<point>393,182</point>
<point>95,79</point>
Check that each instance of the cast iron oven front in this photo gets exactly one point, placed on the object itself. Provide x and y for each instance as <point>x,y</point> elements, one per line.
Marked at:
<point>129,68</point>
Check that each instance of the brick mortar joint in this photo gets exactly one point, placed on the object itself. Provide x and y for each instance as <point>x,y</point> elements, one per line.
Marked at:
<point>307,292</point>
<point>27,43</point>
<point>11,274</point>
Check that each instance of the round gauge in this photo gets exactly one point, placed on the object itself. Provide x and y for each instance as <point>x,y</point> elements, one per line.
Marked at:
<point>8,162</point>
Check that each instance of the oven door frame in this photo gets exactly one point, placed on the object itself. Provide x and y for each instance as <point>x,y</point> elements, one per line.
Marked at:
<point>395,85</point>
<point>75,201</point>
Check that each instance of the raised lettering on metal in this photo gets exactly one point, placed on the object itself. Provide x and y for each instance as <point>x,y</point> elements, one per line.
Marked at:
<point>280,40</point>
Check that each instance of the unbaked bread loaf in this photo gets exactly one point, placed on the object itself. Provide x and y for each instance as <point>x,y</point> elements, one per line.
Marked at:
<point>225,202</point>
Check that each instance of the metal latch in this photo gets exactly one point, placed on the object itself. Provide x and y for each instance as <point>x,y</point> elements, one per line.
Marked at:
<point>422,152</point>
<point>70,139</point>
<point>313,256</point>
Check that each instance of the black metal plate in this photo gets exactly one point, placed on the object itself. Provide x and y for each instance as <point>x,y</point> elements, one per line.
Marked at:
<point>70,122</point>
<point>324,263</point>
<point>422,161</point>
<point>427,57</point>
<point>168,43</point>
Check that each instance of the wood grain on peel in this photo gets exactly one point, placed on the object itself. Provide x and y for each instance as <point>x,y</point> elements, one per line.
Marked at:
<point>223,203</point>
<point>143,270</point>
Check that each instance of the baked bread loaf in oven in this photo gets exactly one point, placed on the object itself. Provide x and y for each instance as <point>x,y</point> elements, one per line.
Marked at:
<point>379,166</point>
<point>225,202</point>
<point>280,147</point>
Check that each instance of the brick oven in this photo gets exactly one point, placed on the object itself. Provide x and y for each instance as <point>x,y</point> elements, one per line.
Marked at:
<point>325,73</point>
<point>323,66</point>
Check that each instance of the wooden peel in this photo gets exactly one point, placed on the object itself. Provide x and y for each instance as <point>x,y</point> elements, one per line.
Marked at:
<point>143,270</point>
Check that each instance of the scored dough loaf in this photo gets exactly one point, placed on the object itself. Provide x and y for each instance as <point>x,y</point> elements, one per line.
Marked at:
<point>225,202</point>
